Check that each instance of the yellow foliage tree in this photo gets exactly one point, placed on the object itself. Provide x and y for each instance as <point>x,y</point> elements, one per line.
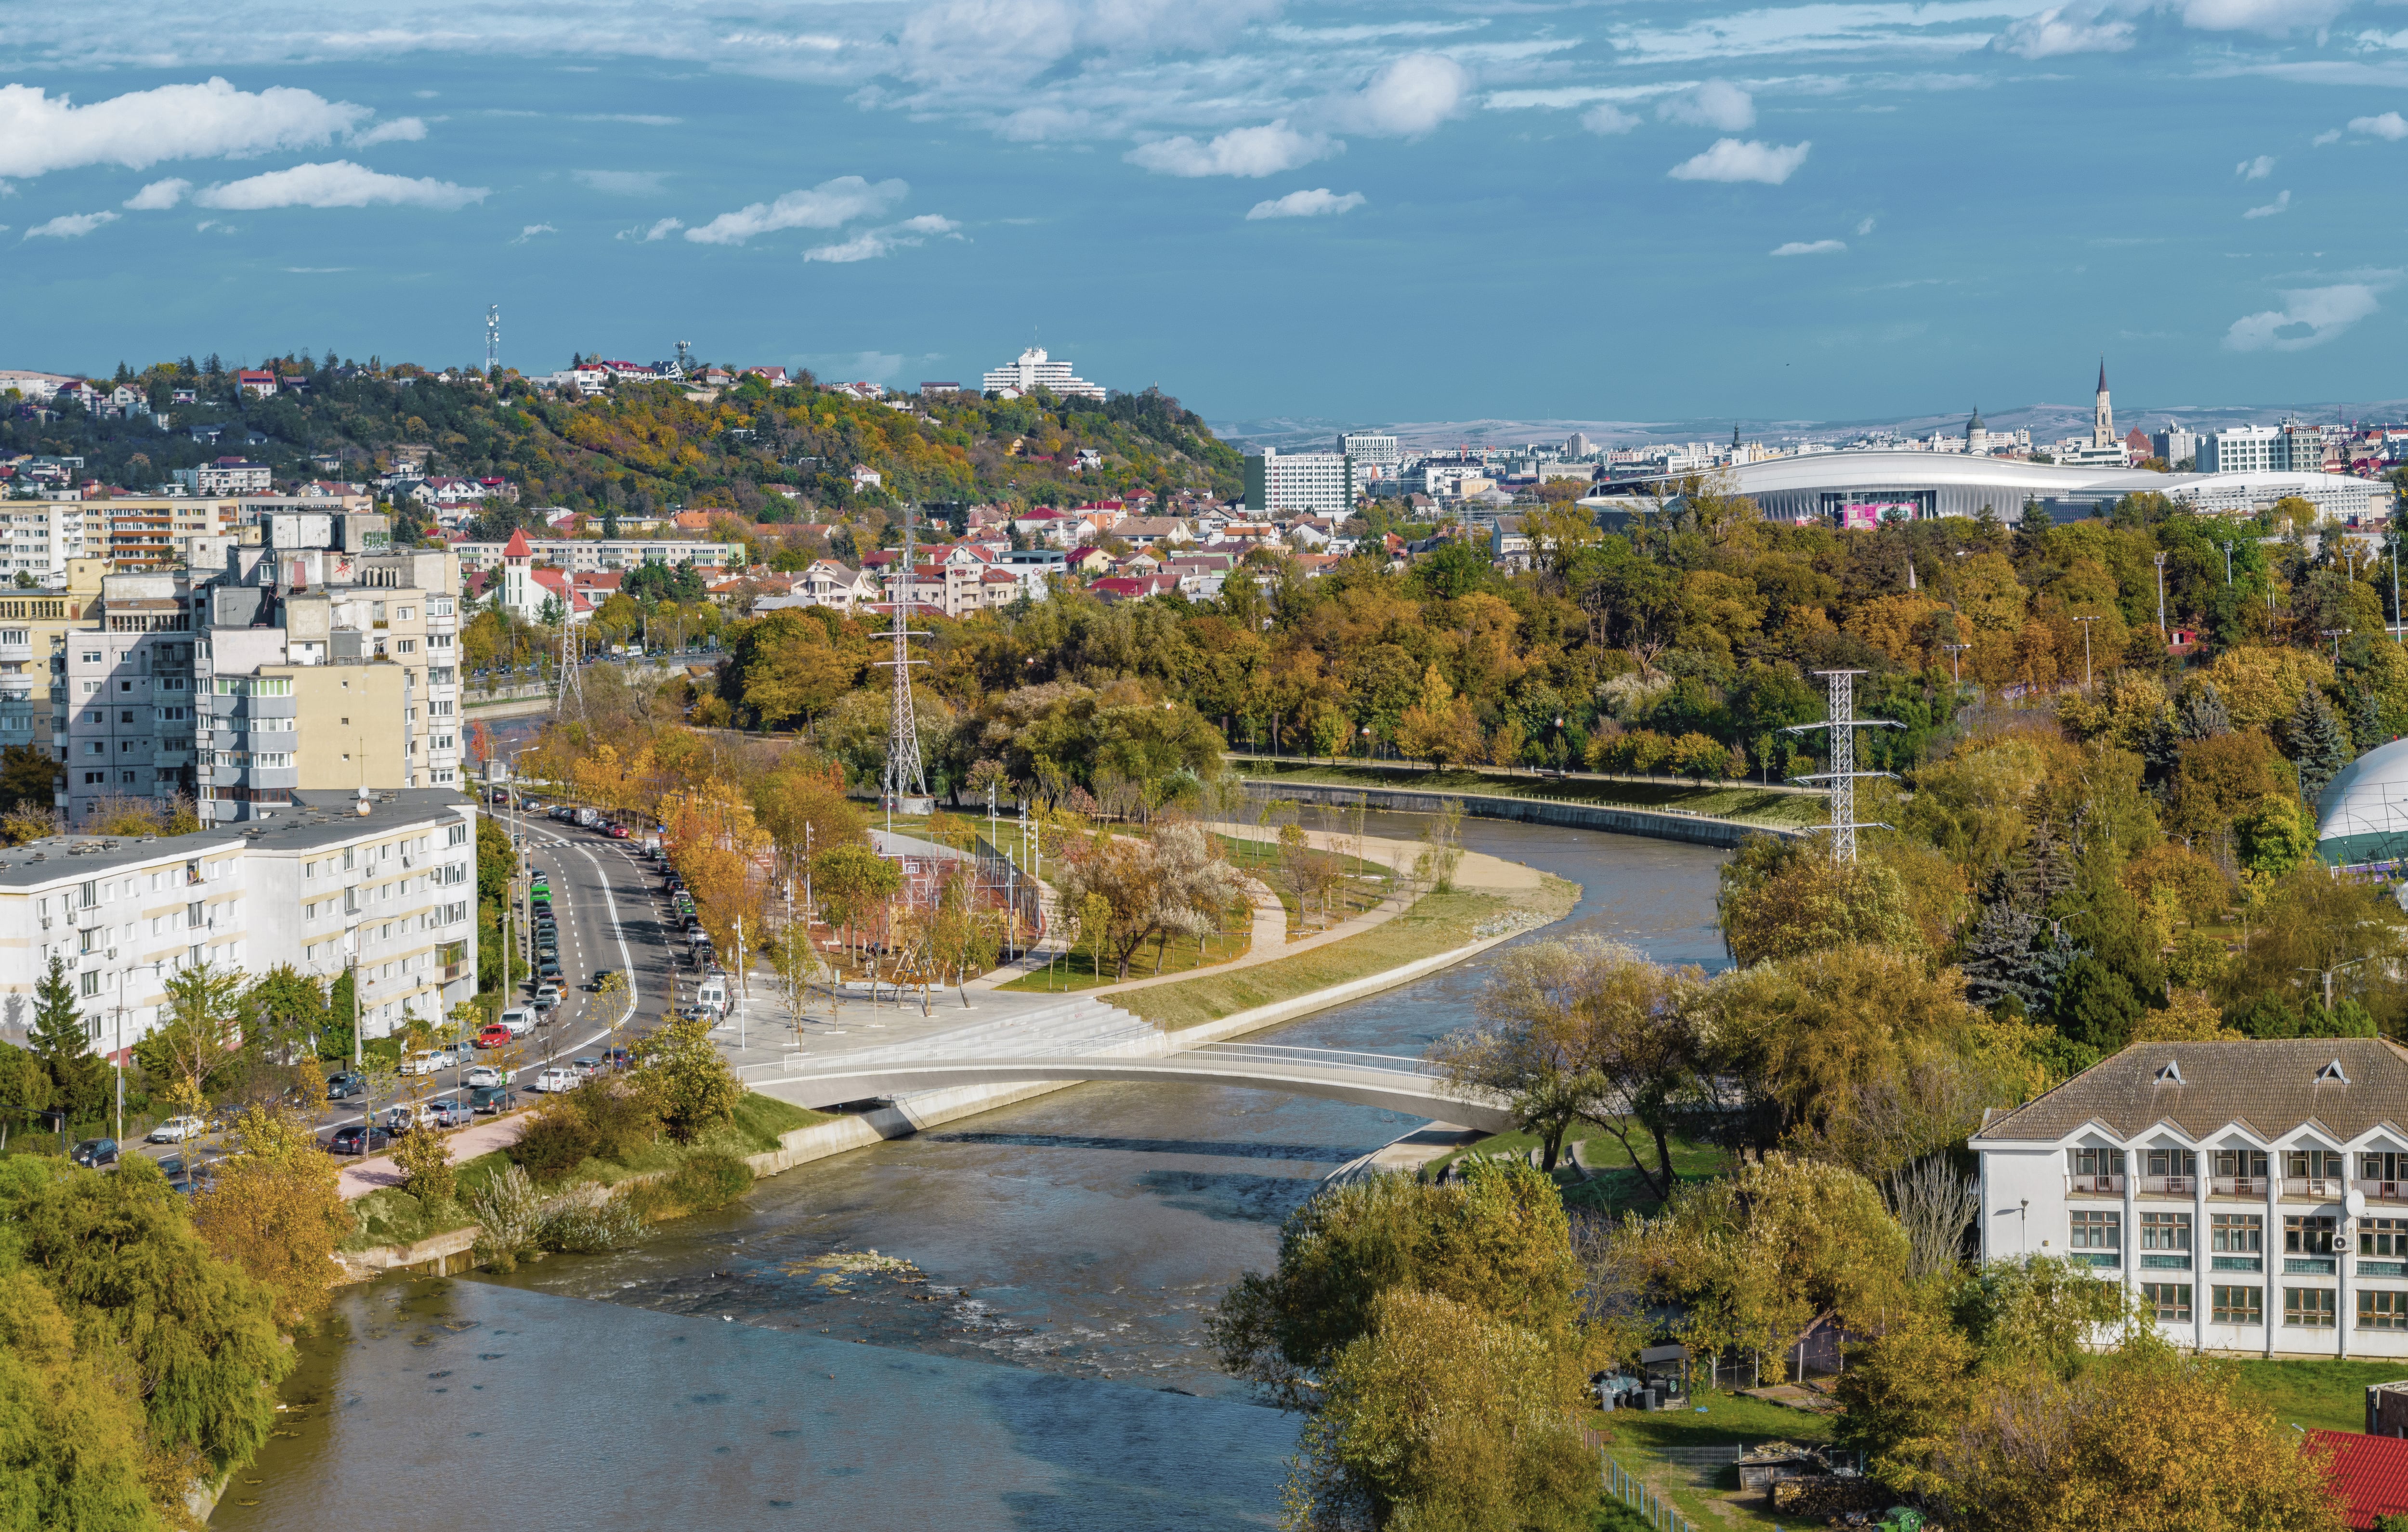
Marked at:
<point>275,1209</point>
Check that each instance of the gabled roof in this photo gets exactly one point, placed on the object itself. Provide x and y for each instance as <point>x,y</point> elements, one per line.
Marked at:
<point>517,548</point>
<point>2268,1086</point>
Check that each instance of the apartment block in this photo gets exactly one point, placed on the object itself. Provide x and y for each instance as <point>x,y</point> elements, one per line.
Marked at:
<point>2250,1197</point>
<point>121,695</point>
<point>385,883</point>
<point>589,555</point>
<point>1308,482</point>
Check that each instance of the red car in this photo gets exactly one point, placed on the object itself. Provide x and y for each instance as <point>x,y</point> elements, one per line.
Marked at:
<point>617,832</point>
<point>496,1035</point>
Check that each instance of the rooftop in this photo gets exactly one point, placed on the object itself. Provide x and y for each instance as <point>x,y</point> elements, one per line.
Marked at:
<point>315,819</point>
<point>2345,1085</point>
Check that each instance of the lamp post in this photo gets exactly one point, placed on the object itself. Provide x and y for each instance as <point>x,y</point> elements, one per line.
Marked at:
<point>2086,623</point>
<point>2161,598</point>
<point>2335,635</point>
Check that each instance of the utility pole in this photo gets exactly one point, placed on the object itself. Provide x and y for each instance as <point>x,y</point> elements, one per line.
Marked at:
<point>1956,662</point>
<point>904,777</point>
<point>1841,726</point>
<point>2336,635</point>
<point>2086,623</point>
<point>2395,585</point>
<point>2162,635</point>
<point>2228,562</point>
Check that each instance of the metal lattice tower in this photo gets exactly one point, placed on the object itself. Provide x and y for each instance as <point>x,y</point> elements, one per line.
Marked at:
<point>568,697</point>
<point>1842,725</point>
<point>905,776</point>
<point>493,339</point>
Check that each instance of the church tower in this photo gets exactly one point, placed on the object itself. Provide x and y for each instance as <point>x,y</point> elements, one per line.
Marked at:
<point>1977,436</point>
<point>2102,425</point>
<point>518,568</point>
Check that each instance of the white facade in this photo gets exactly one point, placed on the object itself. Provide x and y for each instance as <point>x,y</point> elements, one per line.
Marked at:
<point>1306,482</point>
<point>226,477</point>
<point>394,888</point>
<point>2174,444</point>
<point>38,537</point>
<point>2254,1196</point>
<point>2244,449</point>
<point>1032,370</point>
<point>593,555</point>
<point>1368,447</point>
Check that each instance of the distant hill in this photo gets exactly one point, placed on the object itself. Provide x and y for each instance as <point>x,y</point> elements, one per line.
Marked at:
<point>646,446</point>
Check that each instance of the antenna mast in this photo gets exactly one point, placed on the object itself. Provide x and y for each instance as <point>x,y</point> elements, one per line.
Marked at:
<point>493,339</point>
<point>905,777</point>
<point>1843,723</point>
<point>686,359</point>
<point>568,697</point>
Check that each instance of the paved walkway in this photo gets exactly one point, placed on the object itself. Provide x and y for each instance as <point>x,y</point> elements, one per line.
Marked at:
<point>375,1175</point>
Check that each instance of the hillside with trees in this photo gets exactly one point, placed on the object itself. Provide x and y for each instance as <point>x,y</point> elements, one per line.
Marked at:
<point>645,447</point>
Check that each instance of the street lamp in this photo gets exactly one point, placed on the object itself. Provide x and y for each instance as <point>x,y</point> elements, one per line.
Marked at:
<point>2086,623</point>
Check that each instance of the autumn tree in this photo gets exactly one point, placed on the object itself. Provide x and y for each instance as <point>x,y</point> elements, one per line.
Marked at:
<point>685,1078</point>
<point>1440,727</point>
<point>274,1209</point>
<point>1172,882</point>
<point>198,1027</point>
<point>852,883</point>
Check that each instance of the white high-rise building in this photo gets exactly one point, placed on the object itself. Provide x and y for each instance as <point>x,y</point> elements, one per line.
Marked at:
<point>2244,449</point>
<point>1306,482</point>
<point>1033,370</point>
<point>1370,447</point>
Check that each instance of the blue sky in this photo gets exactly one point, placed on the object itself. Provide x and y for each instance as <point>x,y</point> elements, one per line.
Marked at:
<point>1413,212</point>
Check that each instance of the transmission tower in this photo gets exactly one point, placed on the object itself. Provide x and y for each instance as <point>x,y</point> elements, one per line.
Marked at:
<point>568,697</point>
<point>905,777</point>
<point>1842,724</point>
<point>493,339</point>
<point>686,359</point>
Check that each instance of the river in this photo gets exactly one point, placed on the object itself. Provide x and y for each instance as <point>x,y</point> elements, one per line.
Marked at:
<point>1036,1360</point>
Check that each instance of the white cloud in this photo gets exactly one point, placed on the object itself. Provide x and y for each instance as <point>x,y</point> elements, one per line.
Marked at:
<point>823,206</point>
<point>2281,204</point>
<point>1410,96</point>
<point>1265,151</point>
<point>1040,125</point>
<point>625,184</point>
<point>69,225</point>
<point>159,194</point>
<point>2389,125</point>
<point>1814,247</point>
<point>1319,201</point>
<point>1864,228</point>
<point>1743,160</point>
<point>39,133</point>
<point>2053,33</point>
<point>1716,103</point>
<point>531,231</point>
<point>2309,317</point>
<point>869,244</point>
<point>2259,15</point>
<point>337,183</point>
<point>981,42</point>
<point>2257,169</point>
<point>401,130</point>
<point>659,230</point>
<point>1607,117</point>
<point>2329,137</point>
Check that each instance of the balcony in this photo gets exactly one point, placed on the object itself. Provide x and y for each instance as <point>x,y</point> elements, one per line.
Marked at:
<point>2181,1186</point>
<point>2238,1186</point>
<point>2393,1192</point>
<point>2106,1186</point>
<point>2315,1188</point>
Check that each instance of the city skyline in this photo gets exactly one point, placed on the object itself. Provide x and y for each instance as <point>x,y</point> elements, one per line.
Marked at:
<point>1777,212</point>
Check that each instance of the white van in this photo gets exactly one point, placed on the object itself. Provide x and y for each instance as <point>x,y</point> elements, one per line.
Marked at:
<point>520,1019</point>
<point>712,993</point>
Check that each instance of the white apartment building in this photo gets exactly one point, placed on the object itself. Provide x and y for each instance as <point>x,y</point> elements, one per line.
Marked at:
<point>122,696</point>
<point>593,555</point>
<point>38,537</point>
<point>226,476</point>
<point>2176,445</point>
<point>1032,370</point>
<point>391,888</point>
<point>2252,1196</point>
<point>1306,482</point>
<point>2244,449</point>
<point>1373,448</point>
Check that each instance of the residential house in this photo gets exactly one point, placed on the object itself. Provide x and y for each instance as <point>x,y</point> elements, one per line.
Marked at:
<point>1148,531</point>
<point>226,476</point>
<point>775,377</point>
<point>249,380</point>
<point>2249,1196</point>
<point>1120,588</point>
<point>1088,560</point>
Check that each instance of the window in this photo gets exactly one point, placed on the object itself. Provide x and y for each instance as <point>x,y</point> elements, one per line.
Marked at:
<point>90,981</point>
<point>2386,1166</point>
<point>2165,1231</point>
<point>92,656</point>
<point>2096,1230</point>
<point>2315,1163</point>
<point>2169,1300</point>
<point>194,914</point>
<point>2383,1237</point>
<point>2172,1162</point>
<point>2308,1235</point>
<point>2308,1308</point>
<point>2382,1308</point>
<point>2238,1305</point>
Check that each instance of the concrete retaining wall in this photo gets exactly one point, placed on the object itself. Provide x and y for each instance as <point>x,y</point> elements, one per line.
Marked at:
<point>1655,823</point>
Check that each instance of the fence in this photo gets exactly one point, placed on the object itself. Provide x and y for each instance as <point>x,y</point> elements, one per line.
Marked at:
<point>1642,1497</point>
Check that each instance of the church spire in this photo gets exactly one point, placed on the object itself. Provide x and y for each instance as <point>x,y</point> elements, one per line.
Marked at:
<point>2103,374</point>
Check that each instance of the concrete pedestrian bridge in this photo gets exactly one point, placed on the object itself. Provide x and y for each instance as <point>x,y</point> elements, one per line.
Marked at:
<point>1394,1084</point>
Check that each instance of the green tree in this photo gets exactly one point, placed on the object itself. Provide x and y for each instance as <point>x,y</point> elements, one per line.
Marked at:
<point>78,1078</point>
<point>197,1030</point>
<point>852,881</point>
<point>1781,898</point>
<point>686,1079</point>
<point>275,1209</point>
<point>2319,745</point>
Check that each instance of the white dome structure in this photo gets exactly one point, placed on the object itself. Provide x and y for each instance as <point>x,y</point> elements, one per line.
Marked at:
<point>2363,815</point>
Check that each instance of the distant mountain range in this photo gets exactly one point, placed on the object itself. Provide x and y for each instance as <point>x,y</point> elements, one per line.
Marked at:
<point>2046,421</point>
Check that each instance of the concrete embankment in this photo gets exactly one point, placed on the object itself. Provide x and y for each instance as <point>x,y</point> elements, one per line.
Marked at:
<point>1655,823</point>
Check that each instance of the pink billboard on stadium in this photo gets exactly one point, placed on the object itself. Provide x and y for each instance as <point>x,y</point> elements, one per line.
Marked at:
<point>1868,514</point>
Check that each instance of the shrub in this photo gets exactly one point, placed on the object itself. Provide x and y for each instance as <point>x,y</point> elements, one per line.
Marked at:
<point>622,1123</point>
<point>707,1182</point>
<point>558,1140</point>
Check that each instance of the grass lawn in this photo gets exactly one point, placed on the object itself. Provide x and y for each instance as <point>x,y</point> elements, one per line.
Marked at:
<point>1648,1444</point>
<point>1367,883</point>
<point>1077,970</point>
<point>1614,1185</point>
<point>1735,800</point>
<point>1436,922</point>
<point>393,1217</point>
<point>2328,1394</point>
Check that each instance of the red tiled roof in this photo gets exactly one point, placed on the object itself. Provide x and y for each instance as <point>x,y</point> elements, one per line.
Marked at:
<point>2370,1473</point>
<point>517,547</point>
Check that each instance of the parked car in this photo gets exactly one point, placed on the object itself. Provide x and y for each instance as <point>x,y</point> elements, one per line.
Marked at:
<point>359,1138</point>
<point>427,1061</point>
<point>447,1111</point>
<point>547,994</point>
<point>617,832</point>
<point>586,1067</point>
<point>94,1154</point>
<point>402,1118</point>
<point>175,1130</point>
<point>547,968</point>
<point>493,1035</point>
<point>345,1085</point>
<point>617,1058</point>
<point>492,1100</point>
<point>186,1177</point>
<point>519,1020</point>
<point>482,1074</point>
<point>556,1079</point>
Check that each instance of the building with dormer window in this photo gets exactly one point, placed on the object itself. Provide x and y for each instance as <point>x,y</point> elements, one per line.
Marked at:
<point>2252,1195</point>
